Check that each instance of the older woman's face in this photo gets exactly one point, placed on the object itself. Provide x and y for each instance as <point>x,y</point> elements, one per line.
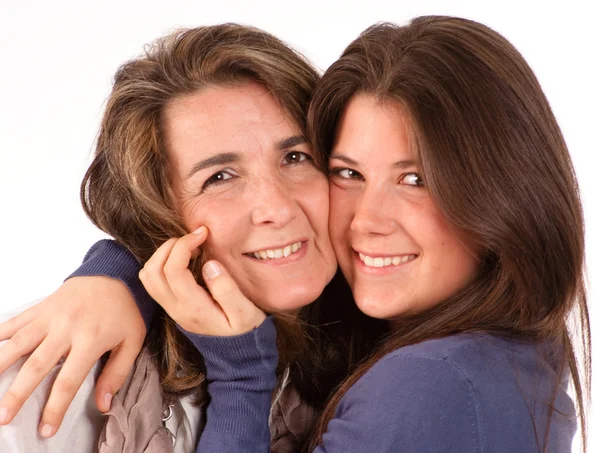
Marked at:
<point>242,168</point>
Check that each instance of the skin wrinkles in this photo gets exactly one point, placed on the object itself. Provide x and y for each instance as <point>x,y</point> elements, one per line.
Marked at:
<point>267,192</point>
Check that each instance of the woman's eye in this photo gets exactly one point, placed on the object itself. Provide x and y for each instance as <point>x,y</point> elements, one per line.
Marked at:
<point>295,157</point>
<point>346,173</point>
<point>218,178</point>
<point>412,179</point>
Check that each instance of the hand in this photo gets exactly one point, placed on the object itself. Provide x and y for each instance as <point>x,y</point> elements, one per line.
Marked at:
<point>169,281</point>
<point>83,319</point>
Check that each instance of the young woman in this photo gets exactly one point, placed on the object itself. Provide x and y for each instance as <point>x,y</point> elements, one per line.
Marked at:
<point>455,217</point>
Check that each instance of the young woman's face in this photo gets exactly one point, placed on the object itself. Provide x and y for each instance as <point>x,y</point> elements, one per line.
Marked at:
<point>242,168</point>
<point>393,245</point>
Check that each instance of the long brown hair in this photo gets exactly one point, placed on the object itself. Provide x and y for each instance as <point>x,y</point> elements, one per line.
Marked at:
<point>496,165</point>
<point>126,190</point>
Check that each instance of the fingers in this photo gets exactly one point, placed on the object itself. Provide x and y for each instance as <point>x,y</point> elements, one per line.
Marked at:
<point>81,309</point>
<point>153,277</point>
<point>115,372</point>
<point>181,254</point>
<point>241,313</point>
<point>179,278</point>
<point>20,344</point>
<point>13,325</point>
<point>169,281</point>
<point>70,378</point>
<point>33,371</point>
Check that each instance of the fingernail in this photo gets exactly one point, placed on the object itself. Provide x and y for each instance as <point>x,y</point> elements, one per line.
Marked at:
<point>46,430</point>
<point>211,270</point>
<point>199,230</point>
<point>107,400</point>
<point>3,415</point>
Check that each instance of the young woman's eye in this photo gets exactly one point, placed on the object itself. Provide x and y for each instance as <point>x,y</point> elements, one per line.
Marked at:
<point>218,178</point>
<point>345,173</point>
<point>412,179</point>
<point>295,157</point>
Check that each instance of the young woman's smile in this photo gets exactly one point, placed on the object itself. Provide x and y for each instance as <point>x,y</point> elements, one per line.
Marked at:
<point>393,245</point>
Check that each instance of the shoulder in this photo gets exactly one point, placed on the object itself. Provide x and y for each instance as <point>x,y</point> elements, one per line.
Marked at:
<point>459,393</point>
<point>434,371</point>
<point>452,358</point>
<point>416,399</point>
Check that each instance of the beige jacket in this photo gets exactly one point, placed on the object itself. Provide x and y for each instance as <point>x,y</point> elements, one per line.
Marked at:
<point>135,421</point>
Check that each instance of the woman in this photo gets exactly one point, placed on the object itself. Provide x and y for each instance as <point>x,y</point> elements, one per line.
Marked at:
<point>475,265</point>
<point>207,128</point>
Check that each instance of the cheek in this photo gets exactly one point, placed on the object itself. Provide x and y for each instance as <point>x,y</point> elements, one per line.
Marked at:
<point>313,196</point>
<point>447,254</point>
<point>223,223</point>
<point>341,211</point>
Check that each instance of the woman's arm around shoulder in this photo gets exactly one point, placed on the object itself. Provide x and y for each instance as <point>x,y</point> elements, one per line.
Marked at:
<point>108,258</point>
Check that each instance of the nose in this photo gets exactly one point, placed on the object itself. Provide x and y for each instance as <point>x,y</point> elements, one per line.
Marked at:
<point>373,213</point>
<point>273,203</point>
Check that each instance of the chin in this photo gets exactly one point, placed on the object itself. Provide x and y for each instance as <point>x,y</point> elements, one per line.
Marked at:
<point>289,300</point>
<point>377,305</point>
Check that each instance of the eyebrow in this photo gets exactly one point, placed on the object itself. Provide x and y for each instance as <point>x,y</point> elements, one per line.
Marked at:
<point>217,159</point>
<point>400,164</point>
<point>290,142</point>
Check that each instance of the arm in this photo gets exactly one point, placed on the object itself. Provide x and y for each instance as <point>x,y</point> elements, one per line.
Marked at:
<point>82,320</point>
<point>235,337</point>
<point>110,259</point>
<point>241,379</point>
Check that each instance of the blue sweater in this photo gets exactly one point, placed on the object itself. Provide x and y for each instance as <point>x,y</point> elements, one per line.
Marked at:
<point>464,393</point>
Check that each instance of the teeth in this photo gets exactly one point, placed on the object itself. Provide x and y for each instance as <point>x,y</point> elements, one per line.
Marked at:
<point>387,261</point>
<point>278,253</point>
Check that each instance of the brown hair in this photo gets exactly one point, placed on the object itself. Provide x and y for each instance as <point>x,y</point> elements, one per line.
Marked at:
<point>126,190</point>
<point>497,167</point>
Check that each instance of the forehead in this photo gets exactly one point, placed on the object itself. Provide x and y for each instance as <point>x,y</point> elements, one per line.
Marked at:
<point>237,118</point>
<point>370,126</point>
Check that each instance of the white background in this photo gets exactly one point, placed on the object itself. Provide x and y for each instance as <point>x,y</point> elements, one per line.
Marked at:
<point>57,59</point>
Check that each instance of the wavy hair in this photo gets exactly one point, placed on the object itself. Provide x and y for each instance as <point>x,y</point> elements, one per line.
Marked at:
<point>126,190</point>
